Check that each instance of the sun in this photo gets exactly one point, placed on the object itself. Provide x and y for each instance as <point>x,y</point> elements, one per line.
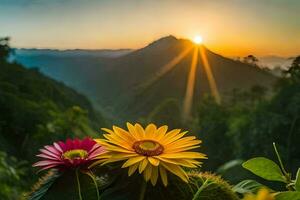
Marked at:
<point>198,39</point>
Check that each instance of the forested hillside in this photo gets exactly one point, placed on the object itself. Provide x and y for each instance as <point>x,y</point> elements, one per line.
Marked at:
<point>35,110</point>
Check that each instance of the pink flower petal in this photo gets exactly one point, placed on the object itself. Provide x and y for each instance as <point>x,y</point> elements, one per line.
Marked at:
<point>47,157</point>
<point>96,153</point>
<point>44,151</point>
<point>45,163</point>
<point>58,147</point>
<point>52,154</point>
<point>95,147</point>
<point>52,149</point>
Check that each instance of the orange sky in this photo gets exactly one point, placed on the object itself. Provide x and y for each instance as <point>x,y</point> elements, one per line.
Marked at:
<point>229,27</point>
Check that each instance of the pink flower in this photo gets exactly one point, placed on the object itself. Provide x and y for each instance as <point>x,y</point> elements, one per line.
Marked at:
<point>71,154</point>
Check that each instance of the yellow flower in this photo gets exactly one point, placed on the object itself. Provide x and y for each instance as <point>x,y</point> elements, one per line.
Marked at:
<point>152,151</point>
<point>263,194</point>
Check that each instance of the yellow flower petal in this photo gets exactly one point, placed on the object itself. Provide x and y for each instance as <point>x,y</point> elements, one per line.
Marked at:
<point>113,139</point>
<point>170,135</point>
<point>178,171</point>
<point>154,175</point>
<point>152,151</point>
<point>140,131</point>
<point>124,155</point>
<point>143,165</point>
<point>109,147</point>
<point>148,172</point>
<point>184,140</point>
<point>163,175</point>
<point>132,161</point>
<point>132,169</point>
<point>153,161</point>
<point>174,138</point>
<point>181,162</point>
<point>182,149</point>
<point>107,130</point>
<point>150,130</point>
<point>132,131</point>
<point>179,144</point>
<point>123,134</point>
<point>183,155</point>
<point>160,133</point>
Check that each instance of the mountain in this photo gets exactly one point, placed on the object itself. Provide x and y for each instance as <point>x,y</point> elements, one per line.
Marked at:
<point>132,85</point>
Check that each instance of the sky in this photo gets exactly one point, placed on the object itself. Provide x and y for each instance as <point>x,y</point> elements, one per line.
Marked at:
<point>228,27</point>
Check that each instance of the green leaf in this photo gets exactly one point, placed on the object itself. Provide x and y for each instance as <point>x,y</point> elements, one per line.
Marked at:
<point>288,196</point>
<point>247,186</point>
<point>43,185</point>
<point>297,181</point>
<point>264,168</point>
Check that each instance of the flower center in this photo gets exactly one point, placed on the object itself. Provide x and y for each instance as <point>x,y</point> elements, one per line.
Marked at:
<point>75,154</point>
<point>148,148</point>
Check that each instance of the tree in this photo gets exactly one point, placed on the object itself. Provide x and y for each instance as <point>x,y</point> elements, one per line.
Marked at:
<point>251,59</point>
<point>5,50</point>
<point>294,70</point>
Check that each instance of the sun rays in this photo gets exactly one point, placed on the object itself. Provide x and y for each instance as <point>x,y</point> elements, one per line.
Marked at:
<point>189,93</point>
<point>199,53</point>
<point>210,76</point>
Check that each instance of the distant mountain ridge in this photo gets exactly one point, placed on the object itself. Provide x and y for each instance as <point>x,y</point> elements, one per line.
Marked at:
<point>118,83</point>
<point>107,53</point>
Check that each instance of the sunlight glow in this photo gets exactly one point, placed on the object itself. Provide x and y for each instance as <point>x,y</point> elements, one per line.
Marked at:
<point>188,99</point>
<point>198,39</point>
<point>166,68</point>
<point>210,76</point>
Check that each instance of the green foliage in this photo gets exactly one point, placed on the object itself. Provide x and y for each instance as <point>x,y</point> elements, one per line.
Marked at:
<point>297,181</point>
<point>264,168</point>
<point>288,196</point>
<point>247,122</point>
<point>233,171</point>
<point>168,112</point>
<point>213,128</point>
<point>35,107</point>
<point>269,170</point>
<point>42,186</point>
<point>12,173</point>
<point>64,185</point>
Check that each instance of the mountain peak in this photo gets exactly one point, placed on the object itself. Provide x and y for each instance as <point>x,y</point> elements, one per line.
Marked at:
<point>164,41</point>
<point>169,38</point>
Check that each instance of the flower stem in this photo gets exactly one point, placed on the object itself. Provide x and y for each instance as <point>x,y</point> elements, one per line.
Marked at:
<point>287,176</point>
<point>196,196</point>
<point>143,190</point>
<point>279,159</point>
<point>78,185</point>
<point>96,184</point>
